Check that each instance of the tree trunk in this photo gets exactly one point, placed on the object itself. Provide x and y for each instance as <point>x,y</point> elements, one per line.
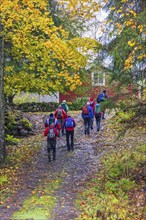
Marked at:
<point>2,131</point>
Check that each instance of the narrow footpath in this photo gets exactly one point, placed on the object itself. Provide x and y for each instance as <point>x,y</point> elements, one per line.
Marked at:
<point>73,168</point>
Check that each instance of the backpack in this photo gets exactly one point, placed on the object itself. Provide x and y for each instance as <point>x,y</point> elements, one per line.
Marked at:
<point>46,122</point>
<point>59,114</point>
<point>69,123</point>
<point>63,105</point>
<point>97,111</point>
<point>51,134</point>
<point>85,110</point>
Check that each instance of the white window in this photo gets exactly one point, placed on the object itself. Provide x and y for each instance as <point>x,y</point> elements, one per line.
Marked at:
<point>98,79</point>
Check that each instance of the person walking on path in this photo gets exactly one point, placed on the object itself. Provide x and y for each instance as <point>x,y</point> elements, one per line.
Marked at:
<point>87,114</point>
<point>102,97</point>
<point>51,133</point>
<point>52,120</point>
<point>65,106</point>
<point>60,114</point>
<point>98,116</point>
<point>69,125</point>
<point>92,104</point>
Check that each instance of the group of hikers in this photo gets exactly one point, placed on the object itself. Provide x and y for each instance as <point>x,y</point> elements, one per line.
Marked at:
<point>61,123</point>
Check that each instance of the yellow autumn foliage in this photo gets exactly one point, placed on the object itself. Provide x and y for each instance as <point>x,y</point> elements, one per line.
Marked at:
<point>42,53</point>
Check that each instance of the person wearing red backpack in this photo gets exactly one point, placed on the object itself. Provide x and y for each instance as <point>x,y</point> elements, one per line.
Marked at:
<point>69,125</point>
<point>51,133</point>
<point>60,114</point>
<point>87,114</point>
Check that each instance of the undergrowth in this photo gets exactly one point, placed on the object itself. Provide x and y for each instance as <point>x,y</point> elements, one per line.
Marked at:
<point>106,197</point>
<point>18,156</point>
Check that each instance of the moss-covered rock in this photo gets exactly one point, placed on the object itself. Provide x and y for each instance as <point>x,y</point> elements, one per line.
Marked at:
<point>15,123</point>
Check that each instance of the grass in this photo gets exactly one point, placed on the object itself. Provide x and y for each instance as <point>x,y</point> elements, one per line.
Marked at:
<point>40,203</point>
<point>108,193</point>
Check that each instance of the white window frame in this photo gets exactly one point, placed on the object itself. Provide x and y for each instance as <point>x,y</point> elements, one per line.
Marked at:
<point>97,83</point>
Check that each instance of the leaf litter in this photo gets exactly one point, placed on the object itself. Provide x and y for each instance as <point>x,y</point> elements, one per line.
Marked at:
<point>70,170</point>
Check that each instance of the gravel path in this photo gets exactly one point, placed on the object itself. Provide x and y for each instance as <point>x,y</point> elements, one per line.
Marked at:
<point>77,167</point>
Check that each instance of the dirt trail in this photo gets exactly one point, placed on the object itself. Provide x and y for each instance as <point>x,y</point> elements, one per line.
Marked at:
<point>77,167</point>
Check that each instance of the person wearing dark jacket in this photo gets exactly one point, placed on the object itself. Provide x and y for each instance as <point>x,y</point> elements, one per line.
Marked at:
<point>69,125</point>
<point>87,114</point>
<point>51,133</point>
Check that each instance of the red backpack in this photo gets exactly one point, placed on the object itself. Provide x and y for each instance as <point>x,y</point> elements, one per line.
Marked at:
<point>85,110</point>
<point>59,113</point>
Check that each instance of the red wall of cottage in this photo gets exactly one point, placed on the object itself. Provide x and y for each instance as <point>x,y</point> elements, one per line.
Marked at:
<point>93,92</point>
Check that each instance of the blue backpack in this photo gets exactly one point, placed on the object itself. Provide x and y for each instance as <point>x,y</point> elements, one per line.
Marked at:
<point>49,121</point>
<point>69,123</point>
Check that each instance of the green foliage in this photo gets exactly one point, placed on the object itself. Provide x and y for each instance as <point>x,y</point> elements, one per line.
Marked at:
<point>37,107</point>
<point>3,179</point>
<point>11,121</point>
<point>105,197</point>
<point>10,139</point>
<point>78,105</point>
<point>25,124</point>
<point>25,98</point>
<point>14,122</point>
<point>50,106</point>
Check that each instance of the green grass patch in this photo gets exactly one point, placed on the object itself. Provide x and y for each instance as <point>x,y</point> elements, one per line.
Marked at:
<point>3,179</point>
<point>40,203</point>
<point>35,214</point>
<point>105,196</point>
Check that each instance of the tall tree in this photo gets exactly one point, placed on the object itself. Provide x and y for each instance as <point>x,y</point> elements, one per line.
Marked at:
<point>126,43</point>
<point>2,131</point>
<point>39,52</point>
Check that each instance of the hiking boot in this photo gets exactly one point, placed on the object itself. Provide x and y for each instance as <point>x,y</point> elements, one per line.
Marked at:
<point>49,159</point>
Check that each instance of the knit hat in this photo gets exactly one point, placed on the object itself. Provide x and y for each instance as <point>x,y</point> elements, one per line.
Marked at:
<point>88,103</point>
<point>64,101</point>
<point>51,115</point>
<point>91,99</point>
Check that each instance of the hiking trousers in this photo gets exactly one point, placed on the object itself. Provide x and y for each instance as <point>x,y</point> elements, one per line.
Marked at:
<point>51,147</point>
<point>70,140</point>
<point>98,122</point>
<point>61,122</point>
<point>91,122</point>
<point>87,125</point>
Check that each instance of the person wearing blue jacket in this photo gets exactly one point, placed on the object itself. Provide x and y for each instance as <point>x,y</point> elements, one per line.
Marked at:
<point>87,114</point>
